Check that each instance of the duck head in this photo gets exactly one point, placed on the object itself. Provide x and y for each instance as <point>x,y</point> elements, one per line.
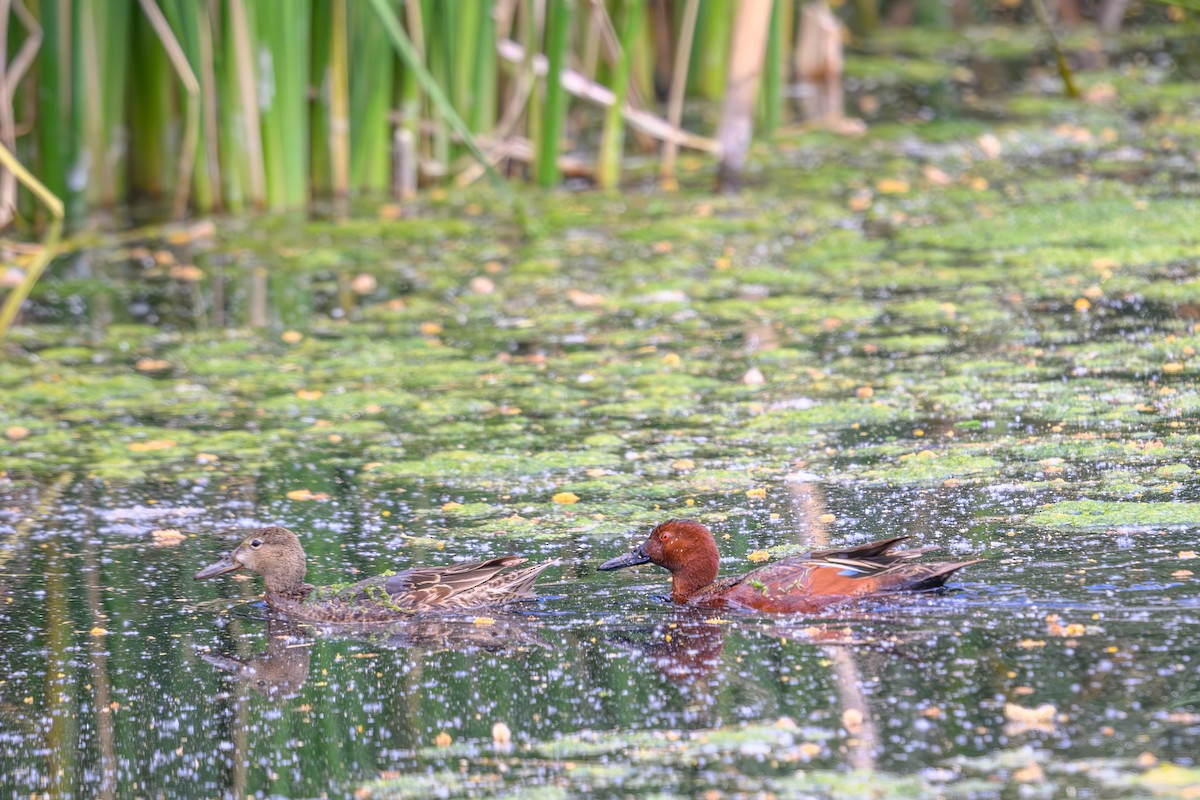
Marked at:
<point>685,548</point>
<point>273,553</point>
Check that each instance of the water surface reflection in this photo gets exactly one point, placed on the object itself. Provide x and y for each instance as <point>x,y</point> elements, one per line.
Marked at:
<point>121,675</point>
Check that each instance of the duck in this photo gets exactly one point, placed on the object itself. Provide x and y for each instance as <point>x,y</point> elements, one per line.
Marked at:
<point>807,584</point>
<point>276,554</point>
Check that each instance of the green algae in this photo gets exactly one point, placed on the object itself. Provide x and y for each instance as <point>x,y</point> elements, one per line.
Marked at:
<point>609,350</point>
<point>929,466</point>
<point>1095,514</point>
<point>889,71</point>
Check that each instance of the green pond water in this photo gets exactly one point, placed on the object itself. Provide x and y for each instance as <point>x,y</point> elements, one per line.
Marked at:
<point>981,334</point>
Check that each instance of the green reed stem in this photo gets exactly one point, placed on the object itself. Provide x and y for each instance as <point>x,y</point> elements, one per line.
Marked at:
<point>17,296</point>
<point>371,77</point>
<point>281,32</point>
<point>558,19</point>
<point>404,47</point>
<point>773,71</point>
<point>483,86</point>
<point>710,56</point>
<point>612,141</point>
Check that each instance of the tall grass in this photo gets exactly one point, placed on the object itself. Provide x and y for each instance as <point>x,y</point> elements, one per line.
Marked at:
<point>229,105</point>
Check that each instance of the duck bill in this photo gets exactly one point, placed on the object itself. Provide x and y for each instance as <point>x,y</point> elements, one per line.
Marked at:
<point>630,559</point>
<point>226,564</point>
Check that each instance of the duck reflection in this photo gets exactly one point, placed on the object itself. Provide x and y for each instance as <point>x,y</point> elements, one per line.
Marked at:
<point>281,669</point>
<point>684,647</point>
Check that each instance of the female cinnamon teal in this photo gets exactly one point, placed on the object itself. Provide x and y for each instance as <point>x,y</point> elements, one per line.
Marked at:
<point>276,555</point>
<point>805,584</point>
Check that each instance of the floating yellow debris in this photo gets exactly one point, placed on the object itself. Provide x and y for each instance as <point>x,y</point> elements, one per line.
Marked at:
<point>754,377</point>
<point>582,299</point>
<point>188,273</point>
<point>364,283</point>
<point>481,284</point>
<point>166,537</point>
<point>859,201</point>
<point>1040,717</point>
<point>1029,774</point>
<point>153,444</point>
<point>989,145</point>
<point>565,498</point>
<point>892,186</point>
<point>936,176</point>
<point>306,494</point>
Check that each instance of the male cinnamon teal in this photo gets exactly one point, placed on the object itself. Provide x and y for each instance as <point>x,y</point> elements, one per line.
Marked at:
<point>276,555</point>
<point>805,584</point>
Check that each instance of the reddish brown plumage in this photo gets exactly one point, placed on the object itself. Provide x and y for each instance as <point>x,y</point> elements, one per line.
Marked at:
<point>805,584</point>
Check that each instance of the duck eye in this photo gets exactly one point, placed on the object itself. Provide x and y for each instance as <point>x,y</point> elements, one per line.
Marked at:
<point>666,537</point>
<point>256,543</point>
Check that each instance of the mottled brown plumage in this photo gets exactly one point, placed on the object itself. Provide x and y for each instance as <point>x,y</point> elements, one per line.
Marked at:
<point>277,555</point>
<point>804,584</point>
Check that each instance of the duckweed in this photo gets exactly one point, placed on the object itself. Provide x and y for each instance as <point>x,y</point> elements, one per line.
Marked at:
<point>993,351</point>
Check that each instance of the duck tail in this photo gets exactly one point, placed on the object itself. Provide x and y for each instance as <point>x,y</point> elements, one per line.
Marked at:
<point>934,576</point>
<point>518,584</point>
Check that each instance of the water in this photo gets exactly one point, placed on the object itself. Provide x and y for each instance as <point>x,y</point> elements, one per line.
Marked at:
<point>124,677</point>
<point>1003,366</point>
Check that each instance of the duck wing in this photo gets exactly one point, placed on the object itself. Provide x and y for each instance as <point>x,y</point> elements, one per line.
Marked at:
<point>877,568</point>
<point>507,587</point>
<point>867,550</point>
<point>465,585</point>
<point>428,587</point>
